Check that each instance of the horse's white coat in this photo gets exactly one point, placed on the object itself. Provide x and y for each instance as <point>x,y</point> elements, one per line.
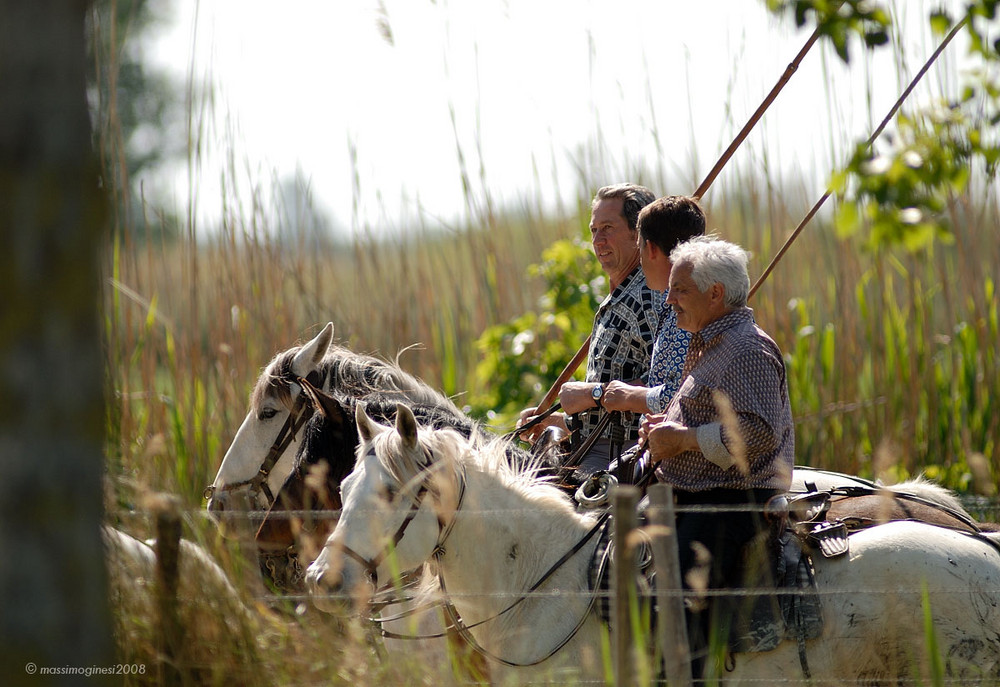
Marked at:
<point>203,583</point>
<point>510,530</point>
<point>488,562</point>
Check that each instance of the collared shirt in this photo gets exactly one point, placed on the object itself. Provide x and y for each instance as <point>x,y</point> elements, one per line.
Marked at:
<point>621,344</point>
<point>669,349</point>
<point>733,362</point>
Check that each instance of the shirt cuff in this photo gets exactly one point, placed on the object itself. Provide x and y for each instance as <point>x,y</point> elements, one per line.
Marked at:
<point>710,443</point>
<point>653,403</point>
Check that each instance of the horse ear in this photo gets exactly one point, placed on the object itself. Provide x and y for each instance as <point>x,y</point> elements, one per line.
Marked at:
<point>325,404</point>
<point>366,427</point>
<point>309,356</point>
<point>406,426</point>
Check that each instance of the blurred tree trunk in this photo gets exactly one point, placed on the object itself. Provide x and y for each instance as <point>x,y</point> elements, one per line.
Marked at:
<point>54,610</point>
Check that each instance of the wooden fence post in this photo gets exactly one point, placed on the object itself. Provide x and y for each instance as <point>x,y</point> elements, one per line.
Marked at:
<point>168,540</point>
<point>624,500</point>
<point>671,629</point>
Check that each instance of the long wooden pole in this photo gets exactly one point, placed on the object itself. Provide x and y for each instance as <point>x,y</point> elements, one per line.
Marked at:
<point>581,354</point>
<point>871,139</point>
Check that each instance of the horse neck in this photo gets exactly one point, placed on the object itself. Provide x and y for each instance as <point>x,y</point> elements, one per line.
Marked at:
<point>503,542</point>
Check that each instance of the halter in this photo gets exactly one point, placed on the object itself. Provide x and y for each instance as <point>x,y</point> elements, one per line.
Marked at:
<point>301,411</point>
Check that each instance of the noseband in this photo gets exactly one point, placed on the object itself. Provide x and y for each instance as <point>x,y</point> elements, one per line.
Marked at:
<point>301,411</point>
<point>444,528</point>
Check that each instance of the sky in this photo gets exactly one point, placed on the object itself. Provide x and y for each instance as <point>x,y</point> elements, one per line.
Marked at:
<point>378,105</point>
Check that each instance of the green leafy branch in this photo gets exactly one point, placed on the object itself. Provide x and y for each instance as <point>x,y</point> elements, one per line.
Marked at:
<point>837,20</point>
<point>520,358</point>
<point>900,191</point>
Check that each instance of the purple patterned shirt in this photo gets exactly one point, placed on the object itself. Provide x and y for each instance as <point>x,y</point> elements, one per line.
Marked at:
<point>751,444</point>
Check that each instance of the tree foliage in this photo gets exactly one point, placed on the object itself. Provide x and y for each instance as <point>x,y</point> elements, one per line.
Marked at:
<point>838,20</point>
<point>520,358</point>
<point>137,112</point>
<point>898,190</point>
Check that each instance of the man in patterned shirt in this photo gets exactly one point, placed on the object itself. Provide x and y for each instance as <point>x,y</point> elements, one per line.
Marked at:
<point>663,224</point>
<point>622,338</point>
<point>726,439</point>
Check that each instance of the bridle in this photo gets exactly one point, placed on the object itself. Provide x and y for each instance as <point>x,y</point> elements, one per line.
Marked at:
<point>371,565</point>
<point>301,411</point>
<point>456,624</point>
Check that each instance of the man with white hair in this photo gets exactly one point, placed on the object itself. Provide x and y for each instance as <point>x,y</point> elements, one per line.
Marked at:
<point>726,440</point>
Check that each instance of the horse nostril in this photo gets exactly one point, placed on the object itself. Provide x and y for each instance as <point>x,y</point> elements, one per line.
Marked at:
<point>216,504</point>
<point>323,585</point>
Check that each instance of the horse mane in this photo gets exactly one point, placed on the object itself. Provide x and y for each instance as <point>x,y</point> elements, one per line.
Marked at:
<point>491,456</point>
<point>924,488</point>
<point>353,374</point>
<point>319,434</point>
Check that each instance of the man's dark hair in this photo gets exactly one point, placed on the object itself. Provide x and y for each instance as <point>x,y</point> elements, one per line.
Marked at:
<point>634,198</point>
<point>670,221</point>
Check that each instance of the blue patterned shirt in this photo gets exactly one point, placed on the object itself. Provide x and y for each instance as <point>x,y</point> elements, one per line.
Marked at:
<point>669,349</point>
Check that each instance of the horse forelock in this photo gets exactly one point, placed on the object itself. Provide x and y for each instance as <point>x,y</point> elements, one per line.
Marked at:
<point>274,381</point>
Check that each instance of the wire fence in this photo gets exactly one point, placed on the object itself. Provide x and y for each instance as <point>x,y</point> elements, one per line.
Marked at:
<point>618,596</point>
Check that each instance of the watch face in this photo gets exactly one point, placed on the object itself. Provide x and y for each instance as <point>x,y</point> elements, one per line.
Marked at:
<point>598,391</point>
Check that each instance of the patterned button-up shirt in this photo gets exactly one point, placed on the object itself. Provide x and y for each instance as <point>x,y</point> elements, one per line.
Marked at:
<point>734,360</point>
<point>669,349</point>
<point>621,344</point>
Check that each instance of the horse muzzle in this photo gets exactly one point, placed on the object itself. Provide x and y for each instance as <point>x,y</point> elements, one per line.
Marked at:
<point>333,589</point>
<point>230,509</point>
<point>326,589</point>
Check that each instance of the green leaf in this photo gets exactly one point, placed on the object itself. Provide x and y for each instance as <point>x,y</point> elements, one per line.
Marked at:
<point>941,22</point>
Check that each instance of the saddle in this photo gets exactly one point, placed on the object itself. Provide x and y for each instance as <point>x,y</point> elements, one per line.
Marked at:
<point>780,598</point>
<point>787,608</point>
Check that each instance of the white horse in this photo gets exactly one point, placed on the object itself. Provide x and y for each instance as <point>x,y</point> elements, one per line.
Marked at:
<point>213,615</point>
<point>492,533</point>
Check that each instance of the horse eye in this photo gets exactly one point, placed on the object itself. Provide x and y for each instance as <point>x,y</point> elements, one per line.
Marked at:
<point>266,413</point>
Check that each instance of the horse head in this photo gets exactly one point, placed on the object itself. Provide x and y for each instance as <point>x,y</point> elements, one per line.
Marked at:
<point>261,455</point>
<point>399,503</point>
<point>325,456</point>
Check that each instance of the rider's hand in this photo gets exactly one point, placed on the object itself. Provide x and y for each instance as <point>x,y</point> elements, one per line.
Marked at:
<point>621,396</point>
<point>555,419</point>
<point>665,438</point>
<point>577,396</point>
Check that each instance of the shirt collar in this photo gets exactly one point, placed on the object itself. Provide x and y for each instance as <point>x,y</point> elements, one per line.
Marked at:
<point>727,321</point>
<point>624,287</point>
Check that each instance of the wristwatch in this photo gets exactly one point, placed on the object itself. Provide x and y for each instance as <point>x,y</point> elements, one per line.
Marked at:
<point>597,394</point>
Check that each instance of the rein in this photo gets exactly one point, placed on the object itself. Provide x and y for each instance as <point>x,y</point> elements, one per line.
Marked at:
<point>464,629</point>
